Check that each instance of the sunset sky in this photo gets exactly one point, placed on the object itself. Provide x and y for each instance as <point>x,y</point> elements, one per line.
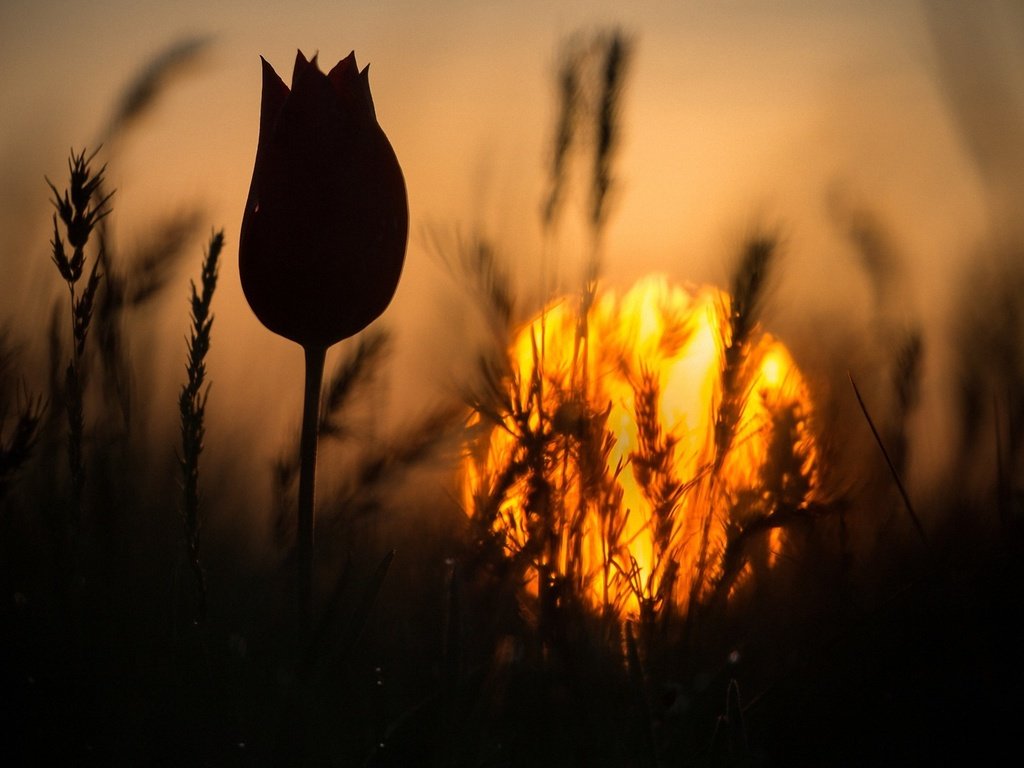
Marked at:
<point>735,113</point>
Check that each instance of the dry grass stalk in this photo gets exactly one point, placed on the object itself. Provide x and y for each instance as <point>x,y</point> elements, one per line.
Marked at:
<point>131,283</point>
<point>615,57</point>
<point>613,54</point>
<point>141,93</point>
<point>80,208</point>
<point>565,132</point>
<point>746,296</point>
<point>890,464</point>
<point>781,498</point>
<point>192,409</point>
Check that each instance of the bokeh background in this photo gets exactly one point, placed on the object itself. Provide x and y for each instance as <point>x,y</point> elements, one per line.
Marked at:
<point>737,114</point>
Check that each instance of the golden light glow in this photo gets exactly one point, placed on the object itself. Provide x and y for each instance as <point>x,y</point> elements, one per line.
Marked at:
<point>643,458</point>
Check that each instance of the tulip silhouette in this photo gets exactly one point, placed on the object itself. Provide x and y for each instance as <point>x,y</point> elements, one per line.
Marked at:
<point>323,234</point>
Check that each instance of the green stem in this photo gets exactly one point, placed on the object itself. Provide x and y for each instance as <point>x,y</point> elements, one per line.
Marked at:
<point>315,357</point>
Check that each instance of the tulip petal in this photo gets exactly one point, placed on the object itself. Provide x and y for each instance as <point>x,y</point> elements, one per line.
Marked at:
<point>275,92</point>
<point>343,73</point>
<point>301,65</point>
<point>364,84</point>
<point>352,89</point>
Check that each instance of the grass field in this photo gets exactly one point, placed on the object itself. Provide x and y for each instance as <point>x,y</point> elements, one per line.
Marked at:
<point>456,624</point>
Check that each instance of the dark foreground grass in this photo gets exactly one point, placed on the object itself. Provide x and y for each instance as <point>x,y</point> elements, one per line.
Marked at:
<point>426,659</point>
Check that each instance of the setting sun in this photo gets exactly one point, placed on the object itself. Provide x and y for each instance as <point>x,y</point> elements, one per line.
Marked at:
<point>634,449</point>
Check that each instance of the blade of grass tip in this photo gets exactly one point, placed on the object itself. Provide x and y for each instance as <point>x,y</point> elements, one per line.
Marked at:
<point>892,467</point>
<point>647,757</point>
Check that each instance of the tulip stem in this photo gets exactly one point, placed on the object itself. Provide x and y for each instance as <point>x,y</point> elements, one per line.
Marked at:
<point>315,357</point>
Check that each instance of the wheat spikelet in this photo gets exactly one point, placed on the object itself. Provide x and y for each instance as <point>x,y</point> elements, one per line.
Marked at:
<point>192,408</point>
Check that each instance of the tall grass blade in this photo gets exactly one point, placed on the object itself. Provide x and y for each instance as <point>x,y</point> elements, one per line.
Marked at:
<point>892,467</point>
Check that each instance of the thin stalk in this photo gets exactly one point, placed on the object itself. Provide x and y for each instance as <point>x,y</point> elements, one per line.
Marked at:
<point>315,357</point>
<point>892,467</point>
<point>192,408</point>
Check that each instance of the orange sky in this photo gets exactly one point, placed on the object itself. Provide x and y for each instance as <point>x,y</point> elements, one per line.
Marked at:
<point>736,112</point>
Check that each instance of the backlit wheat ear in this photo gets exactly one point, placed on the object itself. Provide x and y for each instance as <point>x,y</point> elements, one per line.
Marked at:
<point>565,132</point>
<point>746,296</point>
<point>192,409</point>
<point>653,464</point>
<point>615,57</point>
<point>79,209</point>
<point>613,51</point>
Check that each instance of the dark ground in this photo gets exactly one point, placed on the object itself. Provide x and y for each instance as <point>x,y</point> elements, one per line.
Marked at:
<point>917,664</point>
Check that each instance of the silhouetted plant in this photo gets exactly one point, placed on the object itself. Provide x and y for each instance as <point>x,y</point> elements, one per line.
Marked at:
<point>310,274</point>
<point>192,407</point>
<point>80,208</point>
<point>746,298</point>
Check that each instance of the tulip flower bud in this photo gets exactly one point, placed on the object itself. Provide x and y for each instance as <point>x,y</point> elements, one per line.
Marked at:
<point>326,223</point>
